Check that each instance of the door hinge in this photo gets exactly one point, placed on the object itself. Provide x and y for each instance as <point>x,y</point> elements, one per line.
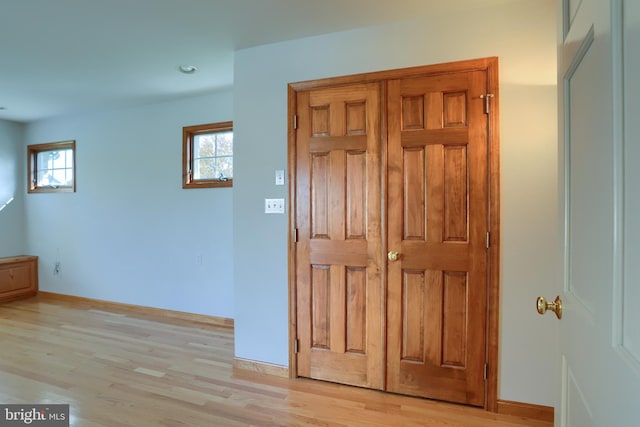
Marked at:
<point>485,371</point>
<point>295,345</point>
<point>295,235</point>
<point>488,241</point>
<point>486,101</point>
<point>295,122</point>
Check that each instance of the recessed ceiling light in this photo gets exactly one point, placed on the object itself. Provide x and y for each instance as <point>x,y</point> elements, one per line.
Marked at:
<point>187,69</point>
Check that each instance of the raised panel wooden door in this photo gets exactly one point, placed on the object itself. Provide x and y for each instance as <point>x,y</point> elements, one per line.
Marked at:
<point>338,254</point>
<point>437,222</point>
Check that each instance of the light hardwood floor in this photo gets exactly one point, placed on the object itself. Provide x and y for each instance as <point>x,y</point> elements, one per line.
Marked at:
<point>124,368</point>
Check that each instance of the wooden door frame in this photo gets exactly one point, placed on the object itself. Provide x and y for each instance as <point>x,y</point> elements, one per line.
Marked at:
<point>490,65</point>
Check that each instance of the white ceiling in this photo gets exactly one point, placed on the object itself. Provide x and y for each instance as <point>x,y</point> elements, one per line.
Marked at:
<point>66,56</point>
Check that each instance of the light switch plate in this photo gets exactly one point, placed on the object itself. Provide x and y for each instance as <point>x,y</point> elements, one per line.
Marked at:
<point>274,206</point>
<point>280,177</point>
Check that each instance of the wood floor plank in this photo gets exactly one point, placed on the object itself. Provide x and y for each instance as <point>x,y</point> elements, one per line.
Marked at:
<point>117,367</point>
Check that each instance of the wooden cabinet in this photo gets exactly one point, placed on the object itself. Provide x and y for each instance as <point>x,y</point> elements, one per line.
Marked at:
<point>18,277</point>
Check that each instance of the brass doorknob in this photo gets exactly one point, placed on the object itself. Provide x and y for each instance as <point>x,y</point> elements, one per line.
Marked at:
<point>556,306</point>
<point>393,256</point>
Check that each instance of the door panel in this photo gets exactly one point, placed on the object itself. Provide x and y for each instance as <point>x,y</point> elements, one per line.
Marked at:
<point>438,212</point>
<point>417,325</point>
<point>339,287</point>
<point>598,62</point>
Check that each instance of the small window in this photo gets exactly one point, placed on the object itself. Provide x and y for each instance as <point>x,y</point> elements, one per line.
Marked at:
<point>207,155</point>
<point>51,167</point>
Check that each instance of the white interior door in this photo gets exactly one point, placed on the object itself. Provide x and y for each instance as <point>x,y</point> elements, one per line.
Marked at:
<point>599,62</point>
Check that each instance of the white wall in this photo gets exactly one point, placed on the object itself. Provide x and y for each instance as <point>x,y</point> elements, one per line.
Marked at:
<point>130,233</point>
<point>523,36</point>
<point>12,228</point>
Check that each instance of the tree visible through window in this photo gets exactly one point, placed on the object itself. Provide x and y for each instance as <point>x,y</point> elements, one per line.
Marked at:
<point>207,155</point>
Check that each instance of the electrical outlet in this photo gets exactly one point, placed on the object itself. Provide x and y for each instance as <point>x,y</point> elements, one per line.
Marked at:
<point>56,268</point>
<point>274,206</point>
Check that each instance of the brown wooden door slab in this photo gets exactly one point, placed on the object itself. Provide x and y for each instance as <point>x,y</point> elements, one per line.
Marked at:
<point>437,221</point>
<point>416,325</point>
<point>338,254</point>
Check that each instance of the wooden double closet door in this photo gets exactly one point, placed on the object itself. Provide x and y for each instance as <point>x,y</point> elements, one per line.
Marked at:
<point>390,232</point>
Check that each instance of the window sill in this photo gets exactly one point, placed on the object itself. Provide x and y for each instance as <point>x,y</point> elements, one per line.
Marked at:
<point>208,184</point>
